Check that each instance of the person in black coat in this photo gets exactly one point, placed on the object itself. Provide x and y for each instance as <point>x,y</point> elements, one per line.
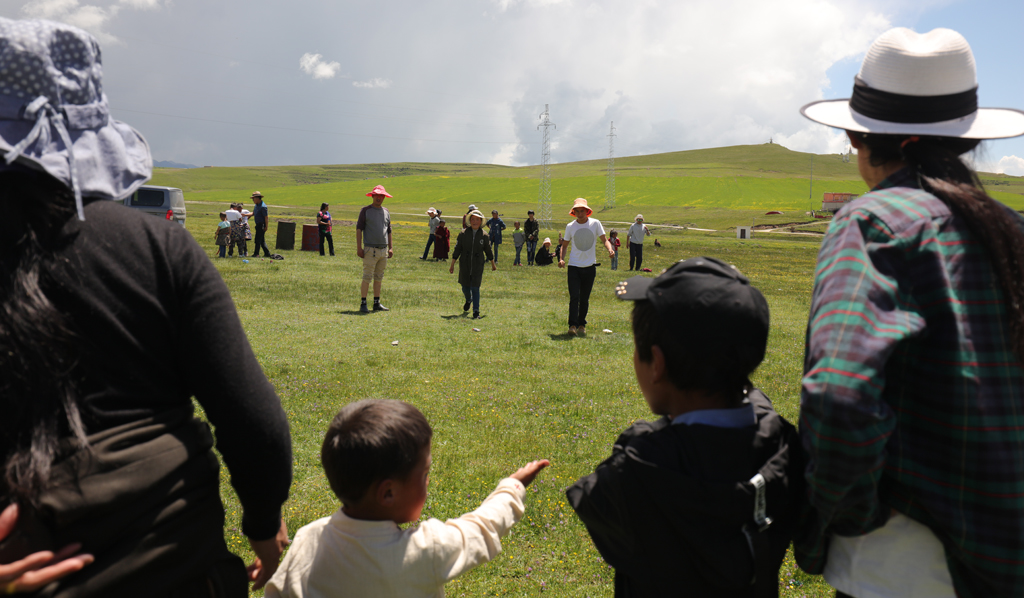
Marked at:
<point>703,501</point>
<point>471,247</point>
<point>544,257</point>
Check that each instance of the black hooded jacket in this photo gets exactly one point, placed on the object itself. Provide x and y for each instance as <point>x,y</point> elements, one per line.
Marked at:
<point>669,508</point>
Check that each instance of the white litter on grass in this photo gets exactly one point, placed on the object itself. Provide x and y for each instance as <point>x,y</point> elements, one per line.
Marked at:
<point>476,330</point>
<point>607,331</point>
<point>394,343</point>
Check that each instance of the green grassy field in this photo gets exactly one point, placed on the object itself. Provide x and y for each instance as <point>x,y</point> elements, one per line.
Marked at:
<point>755,178</point>
<point>520,388</point>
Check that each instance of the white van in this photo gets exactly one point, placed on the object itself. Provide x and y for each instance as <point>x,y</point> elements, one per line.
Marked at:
<point>165,202</point>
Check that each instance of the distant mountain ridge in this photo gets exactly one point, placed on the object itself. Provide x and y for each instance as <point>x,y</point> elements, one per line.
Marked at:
<point>169,164</point>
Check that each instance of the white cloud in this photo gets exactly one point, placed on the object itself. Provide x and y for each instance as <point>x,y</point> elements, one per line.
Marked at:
<point>313,64</point>
<point>673,75</point>
<point>376,83</point>
<point>1011,165</point>
<point>91,17</point>
<point>505,5</point>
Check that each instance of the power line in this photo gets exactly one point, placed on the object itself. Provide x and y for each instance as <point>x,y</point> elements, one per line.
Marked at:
<point>226,122</point>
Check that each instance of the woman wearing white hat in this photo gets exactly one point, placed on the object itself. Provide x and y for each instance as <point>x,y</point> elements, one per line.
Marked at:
<point>111,321</point>
<point>911,406</point>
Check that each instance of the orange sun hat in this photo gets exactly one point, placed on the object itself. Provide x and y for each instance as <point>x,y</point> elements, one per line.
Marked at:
<point>580,203</point>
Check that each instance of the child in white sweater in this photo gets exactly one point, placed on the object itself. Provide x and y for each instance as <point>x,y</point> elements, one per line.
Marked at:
<point>376,456</point>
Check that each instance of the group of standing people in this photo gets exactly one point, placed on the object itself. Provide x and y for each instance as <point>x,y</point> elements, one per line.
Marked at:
<point>234,232</point>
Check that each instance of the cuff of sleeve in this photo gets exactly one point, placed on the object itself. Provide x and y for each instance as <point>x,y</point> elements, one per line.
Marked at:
<point>261,526</point>
<point>512,486</point>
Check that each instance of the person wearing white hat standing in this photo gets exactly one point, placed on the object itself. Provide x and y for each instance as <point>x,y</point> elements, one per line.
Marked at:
<point>911,403</point>
<point>635,236</point>
<point>434,219</point>
<point>465,217</point>
<point>582,235</point>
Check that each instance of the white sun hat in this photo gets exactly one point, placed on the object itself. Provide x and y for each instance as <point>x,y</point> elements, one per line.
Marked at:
<point>918,84</point>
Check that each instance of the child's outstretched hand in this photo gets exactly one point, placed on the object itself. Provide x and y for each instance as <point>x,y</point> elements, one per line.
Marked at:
<point>528,472</point>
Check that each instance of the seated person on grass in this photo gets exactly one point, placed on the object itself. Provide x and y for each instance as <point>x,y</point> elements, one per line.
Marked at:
<point>544,257</point>
<point>376,456</point>
<point>700,502</point>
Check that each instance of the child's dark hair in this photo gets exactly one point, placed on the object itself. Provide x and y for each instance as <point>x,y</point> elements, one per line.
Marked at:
<point>223,215</point>
<point>323,206</point>
<point>371,440</point>
<point>613,232</point>
<point>720,367</point>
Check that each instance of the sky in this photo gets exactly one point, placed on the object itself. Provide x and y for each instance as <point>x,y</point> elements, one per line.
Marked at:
<point>264,82</point>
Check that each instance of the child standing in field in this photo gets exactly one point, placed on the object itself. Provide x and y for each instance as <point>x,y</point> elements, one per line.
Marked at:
<point>518,238</point>
<point>223,235</point>
<point>494,227</point>
<point>472,247</point>
<point>703,501</point>
<point>376,456</point>
<point>238,233</point>
<point>613,237</point>
<point>441,241</point>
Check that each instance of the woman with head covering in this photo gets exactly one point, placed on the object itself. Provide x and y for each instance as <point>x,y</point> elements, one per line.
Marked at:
<point>911,408</point>
<point>110,322</point>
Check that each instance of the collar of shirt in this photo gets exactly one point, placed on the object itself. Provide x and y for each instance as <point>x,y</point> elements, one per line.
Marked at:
<point>900,178</point>
<point>738,417</point>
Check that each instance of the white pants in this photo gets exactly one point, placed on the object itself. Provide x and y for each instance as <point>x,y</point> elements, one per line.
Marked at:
<point>901,559</point>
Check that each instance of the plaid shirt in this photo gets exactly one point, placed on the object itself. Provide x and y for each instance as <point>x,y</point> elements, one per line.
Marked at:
<point>912,397</point>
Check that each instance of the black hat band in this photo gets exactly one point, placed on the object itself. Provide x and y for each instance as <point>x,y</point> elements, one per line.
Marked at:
<point>899,108</point>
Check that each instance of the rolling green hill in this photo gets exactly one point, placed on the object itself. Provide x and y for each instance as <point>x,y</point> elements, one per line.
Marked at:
<point>750,178</point>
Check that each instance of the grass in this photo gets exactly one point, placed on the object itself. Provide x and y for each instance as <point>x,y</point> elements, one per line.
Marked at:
<point>518,390</point>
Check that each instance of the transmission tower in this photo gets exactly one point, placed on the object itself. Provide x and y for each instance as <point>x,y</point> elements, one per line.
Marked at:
<point>609,184</point>
<point>545,177</point>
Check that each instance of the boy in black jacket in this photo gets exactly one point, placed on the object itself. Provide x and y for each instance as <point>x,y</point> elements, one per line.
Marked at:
<point>702,501</point>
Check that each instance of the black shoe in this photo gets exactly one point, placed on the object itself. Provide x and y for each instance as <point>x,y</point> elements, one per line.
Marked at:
<point>363,309</point>
<point>379,307</point>
<point>476,315</point>
<point>465,306</point>
<point>423,258</point>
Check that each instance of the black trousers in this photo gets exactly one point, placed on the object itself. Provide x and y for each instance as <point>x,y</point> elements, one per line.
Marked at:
<point>636,254</point>
<point>426,250</point>
<point>260,241</point>
<point>330,241</point>
<point>581,282</point>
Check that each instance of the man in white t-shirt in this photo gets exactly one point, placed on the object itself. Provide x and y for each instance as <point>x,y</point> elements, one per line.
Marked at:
<point>635,236</point>
<point>582,235</point>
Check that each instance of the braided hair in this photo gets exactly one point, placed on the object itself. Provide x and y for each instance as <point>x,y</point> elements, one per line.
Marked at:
<point>936,163</point>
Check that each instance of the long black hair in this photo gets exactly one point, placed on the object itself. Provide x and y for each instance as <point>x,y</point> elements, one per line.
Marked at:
<point>38,400</point>
<point>936,163</point>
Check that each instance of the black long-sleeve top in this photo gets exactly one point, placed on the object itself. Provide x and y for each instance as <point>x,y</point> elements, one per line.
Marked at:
<point>157,326</point>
